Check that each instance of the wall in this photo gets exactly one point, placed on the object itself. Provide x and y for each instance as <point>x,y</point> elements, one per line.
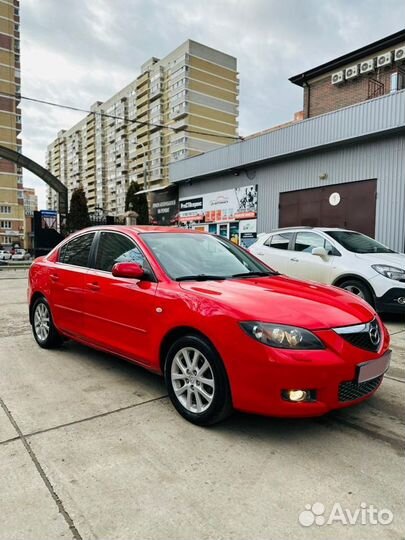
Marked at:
<point>383,159</point>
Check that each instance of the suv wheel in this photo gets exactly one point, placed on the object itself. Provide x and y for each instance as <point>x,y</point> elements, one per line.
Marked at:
<point>197,382</point>
<point>358,288</point>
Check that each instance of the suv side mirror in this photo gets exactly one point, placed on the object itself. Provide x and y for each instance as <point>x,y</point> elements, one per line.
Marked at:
<point>128,270</point>
<point>320,251</point>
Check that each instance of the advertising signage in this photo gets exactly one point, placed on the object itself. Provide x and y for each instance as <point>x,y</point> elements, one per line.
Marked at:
<point>164,206</point>
<point>227,205</point>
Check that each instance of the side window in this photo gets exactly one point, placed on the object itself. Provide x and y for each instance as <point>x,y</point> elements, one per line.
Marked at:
<point>114,248</point>
<point>77,251</point>
<point>307,241</point>
<point>279,241</point>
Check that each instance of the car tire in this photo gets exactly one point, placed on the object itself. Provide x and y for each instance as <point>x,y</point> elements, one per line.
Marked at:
<point>358,288</point>
<point>44,330</point>
<point>197,382</point>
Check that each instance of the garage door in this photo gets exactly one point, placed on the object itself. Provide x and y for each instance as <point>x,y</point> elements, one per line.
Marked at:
<point>351,206</point>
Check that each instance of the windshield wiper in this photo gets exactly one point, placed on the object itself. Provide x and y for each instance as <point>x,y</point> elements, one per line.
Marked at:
<point>256,274</point>
<point>200,277</point>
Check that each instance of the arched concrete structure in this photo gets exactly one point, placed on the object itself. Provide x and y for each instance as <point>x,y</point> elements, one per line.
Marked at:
<point>41,172</point>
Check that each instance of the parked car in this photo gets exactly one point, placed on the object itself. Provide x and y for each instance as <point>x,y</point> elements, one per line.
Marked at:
<point>347,259</point>
<point>226,330</point>
<point>20,255</point>
<point>5,255</point>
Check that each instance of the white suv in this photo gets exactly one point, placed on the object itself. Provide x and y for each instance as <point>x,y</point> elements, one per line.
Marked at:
<point>347,259</point>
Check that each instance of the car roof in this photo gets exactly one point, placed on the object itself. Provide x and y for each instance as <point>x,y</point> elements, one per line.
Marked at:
<point>308,228</point>
<point>140,229</point>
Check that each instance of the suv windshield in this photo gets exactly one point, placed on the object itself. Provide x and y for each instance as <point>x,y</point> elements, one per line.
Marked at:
<point>358,242</point>
<point>202,256</point>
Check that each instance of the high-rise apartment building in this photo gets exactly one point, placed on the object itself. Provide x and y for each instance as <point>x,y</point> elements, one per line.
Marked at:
<point>11,190</point>
<point>179,106</point>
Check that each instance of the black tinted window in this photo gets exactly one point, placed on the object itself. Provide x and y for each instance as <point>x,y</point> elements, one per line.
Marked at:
<point>279,241</point>
<point>114,248</point>
<point>77,251</point>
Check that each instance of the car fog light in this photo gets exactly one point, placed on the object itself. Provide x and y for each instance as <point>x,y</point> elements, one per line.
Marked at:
<point>299,395</point>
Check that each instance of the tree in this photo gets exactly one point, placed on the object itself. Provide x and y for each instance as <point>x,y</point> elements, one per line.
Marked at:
<point>78,217</point>
<point>137,203</point>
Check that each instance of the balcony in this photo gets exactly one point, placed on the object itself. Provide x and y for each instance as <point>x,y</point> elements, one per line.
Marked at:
<point>179,111</point>
<point>180,124</point>
<point>156,90</point>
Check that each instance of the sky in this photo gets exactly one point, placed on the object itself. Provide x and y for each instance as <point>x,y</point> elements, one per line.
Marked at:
<point>76,52</point>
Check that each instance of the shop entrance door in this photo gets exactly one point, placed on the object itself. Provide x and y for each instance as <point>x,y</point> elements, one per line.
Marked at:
<point>229,230</point>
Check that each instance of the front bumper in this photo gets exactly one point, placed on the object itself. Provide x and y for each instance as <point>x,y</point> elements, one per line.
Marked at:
<point>393,301</point>
<point>259,374</point>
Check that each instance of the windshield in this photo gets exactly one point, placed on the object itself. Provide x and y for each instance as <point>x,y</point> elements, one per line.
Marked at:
<point>202,256</point>
<point>357,242</point>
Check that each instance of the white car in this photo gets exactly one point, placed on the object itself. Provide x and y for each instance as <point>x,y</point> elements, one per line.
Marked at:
<point>5,255</point>
<point>20,255</point>
<point>347,259</point>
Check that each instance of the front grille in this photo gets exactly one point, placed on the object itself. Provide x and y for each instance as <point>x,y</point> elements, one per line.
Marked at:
<point>363,339</point>
<point>349,390</point>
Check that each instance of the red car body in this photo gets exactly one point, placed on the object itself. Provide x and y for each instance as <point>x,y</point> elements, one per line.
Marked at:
<point>137,320</point>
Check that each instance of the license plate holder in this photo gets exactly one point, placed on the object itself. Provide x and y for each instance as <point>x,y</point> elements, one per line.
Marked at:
<point>373,368</point>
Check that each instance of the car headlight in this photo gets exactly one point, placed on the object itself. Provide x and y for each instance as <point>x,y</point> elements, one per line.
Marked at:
<point>391,272</point>
<point>281,336</point>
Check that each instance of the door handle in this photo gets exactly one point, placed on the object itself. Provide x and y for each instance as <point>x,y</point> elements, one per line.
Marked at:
<point>93,286</point>
<point>54,277</point>
<point>294,259</point>
<point>260,253</point>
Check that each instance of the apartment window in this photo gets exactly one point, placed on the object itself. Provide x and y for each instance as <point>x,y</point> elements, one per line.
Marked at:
<point>5,224</point>
<point>5,209</point>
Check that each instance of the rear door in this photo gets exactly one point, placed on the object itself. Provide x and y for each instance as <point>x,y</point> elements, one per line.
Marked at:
<point>304,265</point>
<point>68,278</point>
<point>119,311</point>
<point>275,251</point>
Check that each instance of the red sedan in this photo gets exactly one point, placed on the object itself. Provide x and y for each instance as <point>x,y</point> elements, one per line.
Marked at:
<point>226,330</point>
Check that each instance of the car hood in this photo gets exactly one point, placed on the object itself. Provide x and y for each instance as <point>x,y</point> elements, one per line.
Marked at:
<point>395,259</point>
<point>282,300</point>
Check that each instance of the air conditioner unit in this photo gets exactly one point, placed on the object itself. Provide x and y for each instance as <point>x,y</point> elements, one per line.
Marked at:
<point>384,59</point>
<point>367,66</point>
<point>399,54</point>
<point>352,72</point>
<point>337,77</point>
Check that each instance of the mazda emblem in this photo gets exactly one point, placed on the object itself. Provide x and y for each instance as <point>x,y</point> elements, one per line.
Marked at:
<point>374,333</point>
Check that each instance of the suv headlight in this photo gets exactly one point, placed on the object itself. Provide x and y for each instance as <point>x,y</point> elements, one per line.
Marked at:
<point>391,272</point>
<point>281,336</point>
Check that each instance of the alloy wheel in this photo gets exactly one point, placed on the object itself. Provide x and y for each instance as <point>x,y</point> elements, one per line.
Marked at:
<point>192,379</point>
<point>355,290</point>
<point>42,321</point>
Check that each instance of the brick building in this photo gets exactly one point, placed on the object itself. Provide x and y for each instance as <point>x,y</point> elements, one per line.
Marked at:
<point>371,71</point>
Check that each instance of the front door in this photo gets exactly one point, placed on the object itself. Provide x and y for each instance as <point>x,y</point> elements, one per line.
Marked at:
<point>119,312</point>
<point>304,265</point>
<point>67,284</point>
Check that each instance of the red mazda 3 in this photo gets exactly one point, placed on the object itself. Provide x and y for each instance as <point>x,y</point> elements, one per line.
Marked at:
<point>226,330</point>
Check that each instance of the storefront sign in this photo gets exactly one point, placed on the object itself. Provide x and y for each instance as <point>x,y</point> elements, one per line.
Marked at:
<point>228,205</point>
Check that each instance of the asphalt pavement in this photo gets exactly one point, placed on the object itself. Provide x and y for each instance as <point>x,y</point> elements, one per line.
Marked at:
<point>90,447</point>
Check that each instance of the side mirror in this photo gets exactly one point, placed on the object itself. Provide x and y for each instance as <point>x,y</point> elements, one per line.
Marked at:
<point>128,270</point>
<point>320,252</point>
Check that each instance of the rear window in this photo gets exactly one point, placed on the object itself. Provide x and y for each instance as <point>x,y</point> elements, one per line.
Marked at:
<point>279,240</point>
<point>77,251</point>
